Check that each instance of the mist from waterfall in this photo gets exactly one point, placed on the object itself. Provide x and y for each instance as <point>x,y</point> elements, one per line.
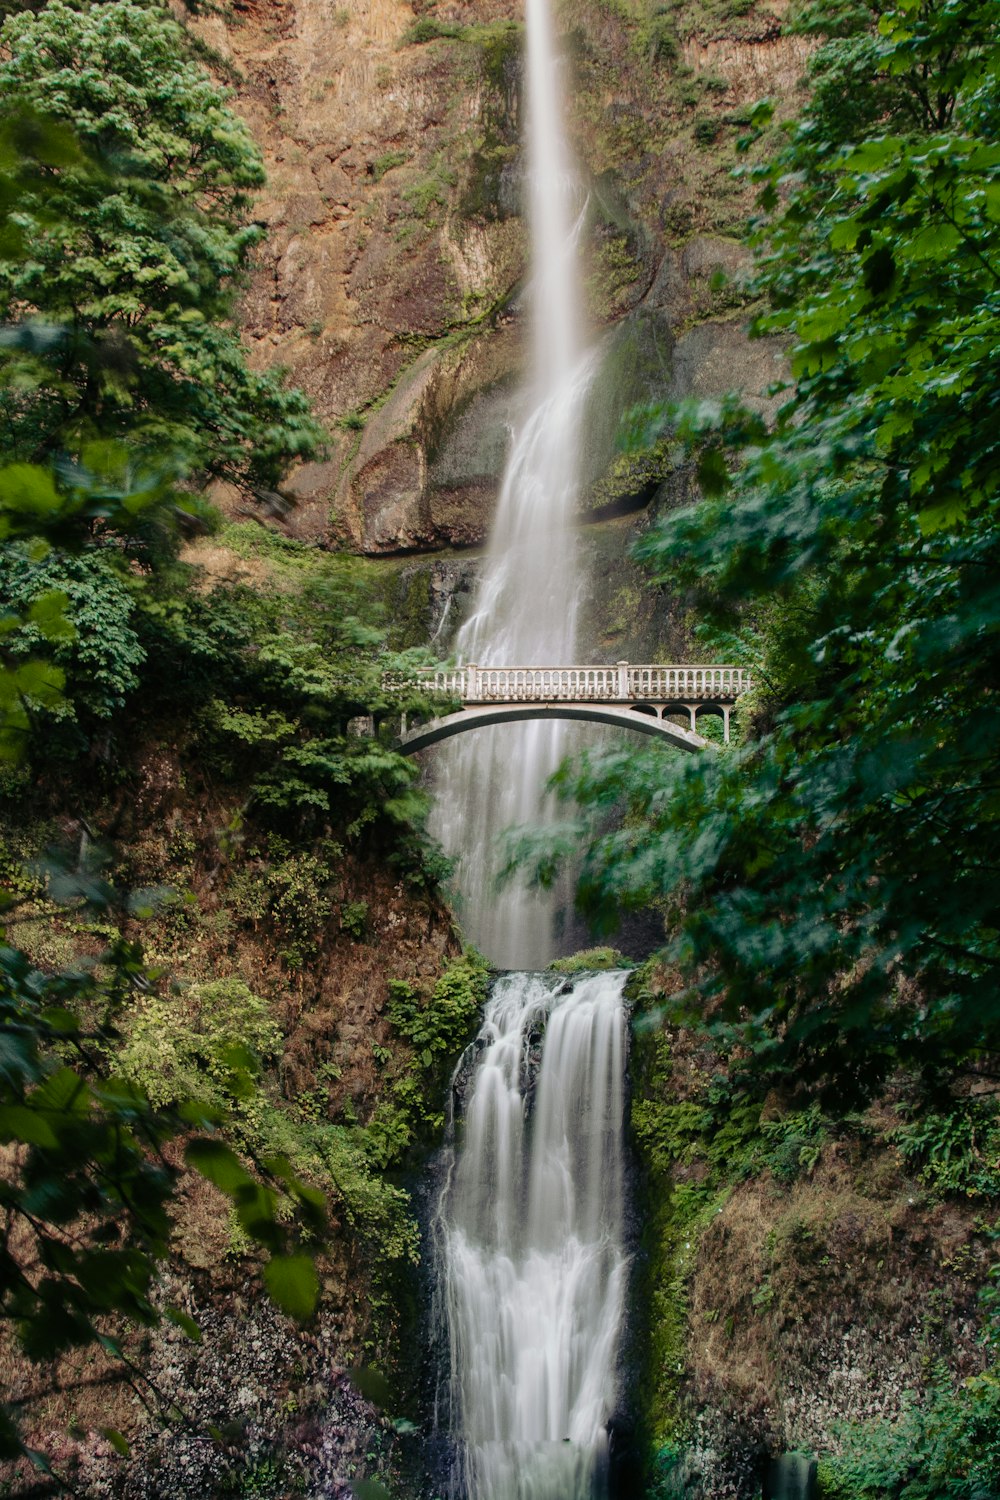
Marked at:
<point>530,1241</point>
<point>525,613</point>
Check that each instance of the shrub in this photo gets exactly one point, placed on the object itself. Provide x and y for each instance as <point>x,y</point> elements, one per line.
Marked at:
<point>197,1045</point>
<point>101,655</point>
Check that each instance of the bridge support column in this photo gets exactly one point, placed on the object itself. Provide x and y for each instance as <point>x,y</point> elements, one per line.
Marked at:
<point>692,710</point>
<point>726,711</point>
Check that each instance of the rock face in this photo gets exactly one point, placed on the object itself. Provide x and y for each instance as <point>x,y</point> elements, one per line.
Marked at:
<point>389,284</point>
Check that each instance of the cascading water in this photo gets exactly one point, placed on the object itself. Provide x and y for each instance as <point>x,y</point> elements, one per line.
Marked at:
<point>531,1241</point>
<point>526,610</point>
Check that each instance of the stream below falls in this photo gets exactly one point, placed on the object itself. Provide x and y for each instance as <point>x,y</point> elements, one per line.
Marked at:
<point>530,1240</point>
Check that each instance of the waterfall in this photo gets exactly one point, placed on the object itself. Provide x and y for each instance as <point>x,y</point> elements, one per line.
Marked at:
<point>529,1235</point>
<point>530,1241</point>
<point>526,610</point>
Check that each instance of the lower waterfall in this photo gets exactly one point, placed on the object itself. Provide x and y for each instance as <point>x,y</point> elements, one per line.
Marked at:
<point>530,1238</point>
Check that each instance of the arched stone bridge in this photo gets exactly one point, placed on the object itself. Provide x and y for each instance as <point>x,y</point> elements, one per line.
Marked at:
<point>638,698</point>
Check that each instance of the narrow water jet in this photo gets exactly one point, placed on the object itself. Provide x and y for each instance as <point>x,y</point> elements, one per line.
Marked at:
<point>530,1242</point>
<point>528,600</point>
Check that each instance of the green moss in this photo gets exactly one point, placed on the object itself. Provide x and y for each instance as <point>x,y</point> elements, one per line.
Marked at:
<point>589,959</point>
<point>406,595</point>
<point>396,590</point>
<point>630,478</point>
<point>694,1143</point>
<point>387,162</point>
<point>481,195</point>
<point>435,1027</point>
<point>673,1216</point>
<point>499,45</point>
<point>671,1243</point>
<point>622,609</point>
<point>496,40</point>
<point>615,271</point>
<point>429,29</point>
<point>430,191</point>
<point>250,540</point>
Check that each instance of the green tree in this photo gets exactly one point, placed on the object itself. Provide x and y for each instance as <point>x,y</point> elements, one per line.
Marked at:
<point>831,887</point>
<point>120,311</point>
<point>87,1194</point>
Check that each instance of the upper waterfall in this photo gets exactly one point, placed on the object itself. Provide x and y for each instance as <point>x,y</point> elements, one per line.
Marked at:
<point>528,598</point>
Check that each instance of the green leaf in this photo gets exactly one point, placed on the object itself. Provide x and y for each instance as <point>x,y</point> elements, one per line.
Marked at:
<point>184,1322</point>
<point>20,1122</point>
<point>29,493</point>
<point>947,513</point>
<point>48,614</point>
<point>373,1385</point>
<point>293,1284</point>
<point>219,1164</point>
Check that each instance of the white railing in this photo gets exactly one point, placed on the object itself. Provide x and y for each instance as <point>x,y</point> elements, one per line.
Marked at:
<point>621,683</point>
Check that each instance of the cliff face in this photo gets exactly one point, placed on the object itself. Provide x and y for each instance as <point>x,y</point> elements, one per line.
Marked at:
<point>299,950</point>
<point>389,284</point>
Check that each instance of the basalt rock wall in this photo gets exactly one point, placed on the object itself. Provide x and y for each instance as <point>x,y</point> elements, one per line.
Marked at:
<point>391,285</point>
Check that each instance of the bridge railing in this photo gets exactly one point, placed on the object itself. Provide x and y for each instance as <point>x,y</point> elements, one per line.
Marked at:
<point>683,684</point>
<point>621,683</point>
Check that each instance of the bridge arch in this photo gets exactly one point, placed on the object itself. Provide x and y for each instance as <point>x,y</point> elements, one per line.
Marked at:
<point>641,719</point>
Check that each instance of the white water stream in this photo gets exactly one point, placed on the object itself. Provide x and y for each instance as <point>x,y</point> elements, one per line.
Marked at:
<point>531,1242</point>
<point>529,1232</point>
<point>526,610</point>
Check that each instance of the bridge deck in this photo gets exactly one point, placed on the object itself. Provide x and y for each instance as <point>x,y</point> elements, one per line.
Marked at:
<point>622,683</point>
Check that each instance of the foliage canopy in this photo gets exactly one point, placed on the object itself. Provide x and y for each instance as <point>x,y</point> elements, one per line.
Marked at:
<point>136,237</point>
<point>830,885</point>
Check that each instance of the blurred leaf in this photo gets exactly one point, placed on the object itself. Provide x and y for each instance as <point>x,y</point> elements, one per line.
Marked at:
<point>293,1285</point>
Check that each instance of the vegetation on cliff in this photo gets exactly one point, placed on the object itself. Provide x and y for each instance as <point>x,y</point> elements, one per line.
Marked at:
<point>134,1051</point>
<point>125,249</point>
<point>832,900</point>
